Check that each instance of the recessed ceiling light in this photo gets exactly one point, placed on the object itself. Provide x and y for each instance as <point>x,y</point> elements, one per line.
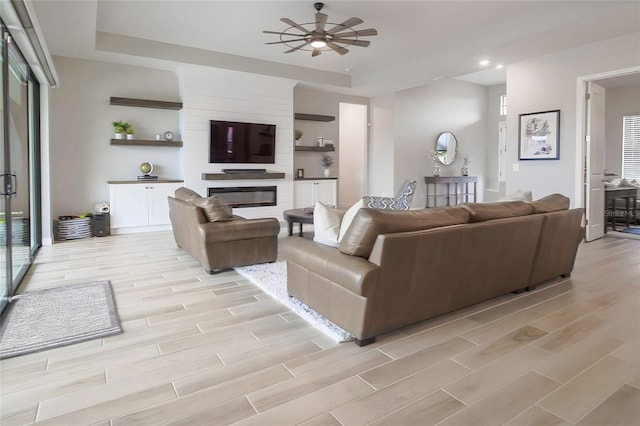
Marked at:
<point>484,62</point>
<point>347,69</point>
<point>499,66</point>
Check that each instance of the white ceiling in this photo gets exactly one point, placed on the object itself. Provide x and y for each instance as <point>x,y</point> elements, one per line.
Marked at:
<point>417,41</point>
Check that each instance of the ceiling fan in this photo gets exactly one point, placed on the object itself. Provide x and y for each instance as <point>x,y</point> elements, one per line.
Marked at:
<point>312,36</point>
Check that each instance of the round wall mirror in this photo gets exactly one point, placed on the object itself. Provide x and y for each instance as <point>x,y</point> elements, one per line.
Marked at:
<point>446,148</point>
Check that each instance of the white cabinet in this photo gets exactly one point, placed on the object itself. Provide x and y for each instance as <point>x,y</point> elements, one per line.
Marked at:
<point>140,206</point>
<point>308,192</point>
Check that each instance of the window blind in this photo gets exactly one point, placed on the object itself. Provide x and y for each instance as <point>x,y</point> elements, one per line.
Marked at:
<point>631,147</point>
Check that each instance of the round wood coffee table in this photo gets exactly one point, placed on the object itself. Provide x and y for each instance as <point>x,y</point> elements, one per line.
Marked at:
<point>297,216</point>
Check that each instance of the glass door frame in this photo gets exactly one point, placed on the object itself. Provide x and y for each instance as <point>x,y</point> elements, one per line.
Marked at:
<point>8,179</point>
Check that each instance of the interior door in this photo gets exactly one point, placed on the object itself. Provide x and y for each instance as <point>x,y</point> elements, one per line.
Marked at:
<point>595,162</point>
<point>353,154</point>
<point>502,151</point>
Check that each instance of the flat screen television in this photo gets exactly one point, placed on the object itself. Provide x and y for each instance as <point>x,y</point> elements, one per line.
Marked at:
<point>234,142</point>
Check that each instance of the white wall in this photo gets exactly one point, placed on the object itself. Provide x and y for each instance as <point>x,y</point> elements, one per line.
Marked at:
<point>81,157</point>
<point>547,83</point>
<point>422,113</point>
<point>620,101</point>
<point>215,94</point>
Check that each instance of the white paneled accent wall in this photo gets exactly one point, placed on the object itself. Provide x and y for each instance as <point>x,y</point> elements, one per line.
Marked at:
<point>215,94</point>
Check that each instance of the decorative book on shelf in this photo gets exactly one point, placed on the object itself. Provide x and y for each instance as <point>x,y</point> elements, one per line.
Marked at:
<point>147,177</point>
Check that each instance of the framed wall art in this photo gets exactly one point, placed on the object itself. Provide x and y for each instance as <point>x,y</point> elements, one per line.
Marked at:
<point>539,136</point>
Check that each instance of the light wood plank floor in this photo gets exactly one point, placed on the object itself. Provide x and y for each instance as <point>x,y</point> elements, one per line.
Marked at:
<point>215,350</point>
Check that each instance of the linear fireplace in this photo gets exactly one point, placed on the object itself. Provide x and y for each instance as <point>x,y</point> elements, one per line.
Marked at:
<point>247,196</point>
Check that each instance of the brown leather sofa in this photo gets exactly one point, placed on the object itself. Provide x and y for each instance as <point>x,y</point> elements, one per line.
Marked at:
<point>395,268</point>
<point>217,239</point>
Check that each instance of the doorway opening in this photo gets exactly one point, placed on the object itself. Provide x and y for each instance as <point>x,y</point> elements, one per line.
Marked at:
<point>598,162</point>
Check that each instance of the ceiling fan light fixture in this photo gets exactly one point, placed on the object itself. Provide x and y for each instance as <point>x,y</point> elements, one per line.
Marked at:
<point>314,36</point>
<point>318,43</point>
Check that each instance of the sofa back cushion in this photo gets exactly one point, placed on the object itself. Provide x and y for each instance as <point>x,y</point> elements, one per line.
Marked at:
<point>186,194</point>
<point>369,223</point>
<point>551,203</point>
<point>214,209</point>
<point>481,212</point>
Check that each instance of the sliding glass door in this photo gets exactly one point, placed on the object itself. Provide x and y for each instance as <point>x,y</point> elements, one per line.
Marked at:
<point>5,250</point>
<point>19,159</point>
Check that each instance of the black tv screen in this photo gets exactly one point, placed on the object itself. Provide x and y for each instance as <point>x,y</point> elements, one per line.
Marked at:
<point>233,142</point>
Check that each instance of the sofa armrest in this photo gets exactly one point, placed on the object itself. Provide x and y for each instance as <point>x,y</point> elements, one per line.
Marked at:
<point>238,229</point>
<point>351,272</point>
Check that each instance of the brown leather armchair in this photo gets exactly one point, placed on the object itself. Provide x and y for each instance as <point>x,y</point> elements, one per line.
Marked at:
<point>219,240</point>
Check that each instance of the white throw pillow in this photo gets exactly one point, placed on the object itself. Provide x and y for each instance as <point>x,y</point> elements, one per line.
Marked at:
<point>518,196</point>
<point>326,225</point>
<point>348,218</point>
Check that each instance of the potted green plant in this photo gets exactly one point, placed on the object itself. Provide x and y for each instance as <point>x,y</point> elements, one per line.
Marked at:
<point>298,136</point>
<point>327,161</point>
<point>119,129</point>
<point>129,130</point>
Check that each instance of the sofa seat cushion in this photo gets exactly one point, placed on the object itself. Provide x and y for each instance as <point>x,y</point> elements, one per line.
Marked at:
<point>369,223</point>
<point>551,203</point>
<point>481,212</point>
<point>186,194</point>
<point>214,209</point>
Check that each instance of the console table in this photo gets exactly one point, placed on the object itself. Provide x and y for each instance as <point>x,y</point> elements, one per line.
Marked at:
<point>457,189</point>
<point>610,211</point>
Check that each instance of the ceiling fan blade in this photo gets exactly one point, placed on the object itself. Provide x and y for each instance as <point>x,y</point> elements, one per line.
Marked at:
<point>341,50</point>
<point>287,41</point>
<point>294,25</point>
<point>362,43</point>
<point>316,52</point>
<point>358,33</point>
<point>293,49</point>
<point>281,33</point>
<point>346,24</point>
<point>321,20</point>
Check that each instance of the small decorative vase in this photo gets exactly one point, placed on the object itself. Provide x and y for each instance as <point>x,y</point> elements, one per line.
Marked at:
<point>119,135</point>
<point>436,171</point>
<point>129,136</point>
<point>464,171</point>
<point>327,172</point>
<point>298,142</point>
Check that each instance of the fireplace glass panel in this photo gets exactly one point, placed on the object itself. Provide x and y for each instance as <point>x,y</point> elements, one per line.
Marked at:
<point>246,196</point>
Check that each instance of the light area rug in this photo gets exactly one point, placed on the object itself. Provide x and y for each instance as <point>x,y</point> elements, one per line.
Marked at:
<point>272,279</point>
<point>60,316</point>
